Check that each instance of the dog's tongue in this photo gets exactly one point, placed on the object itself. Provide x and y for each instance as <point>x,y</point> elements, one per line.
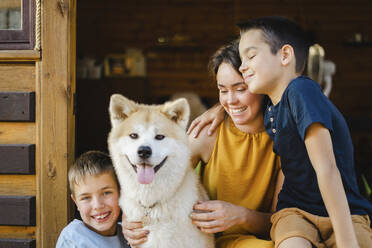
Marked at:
<point>145,174</point>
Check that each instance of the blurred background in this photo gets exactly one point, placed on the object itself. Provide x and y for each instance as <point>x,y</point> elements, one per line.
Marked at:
<point>149,50</point>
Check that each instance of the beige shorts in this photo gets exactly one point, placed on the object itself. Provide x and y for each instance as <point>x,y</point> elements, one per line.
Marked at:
<point>294,222</point>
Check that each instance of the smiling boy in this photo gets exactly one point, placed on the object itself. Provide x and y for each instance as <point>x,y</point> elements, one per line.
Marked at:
<point>95,191</point>
<point>319,204</point>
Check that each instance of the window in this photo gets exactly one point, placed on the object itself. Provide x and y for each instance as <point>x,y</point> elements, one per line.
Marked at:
<point>17,24</point>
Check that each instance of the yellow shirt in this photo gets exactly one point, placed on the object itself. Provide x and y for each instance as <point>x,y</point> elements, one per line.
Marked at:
<point>241,170</point>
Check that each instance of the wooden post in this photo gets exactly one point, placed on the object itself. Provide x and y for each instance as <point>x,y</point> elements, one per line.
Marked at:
<point>56,121</point>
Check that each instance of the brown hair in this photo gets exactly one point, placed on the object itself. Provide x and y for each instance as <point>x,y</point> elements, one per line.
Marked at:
<point>91,163</point>
<point>226,54</point>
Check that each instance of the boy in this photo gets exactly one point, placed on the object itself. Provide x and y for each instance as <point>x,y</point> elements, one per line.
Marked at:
<point>95,191</point>
<point>310,135</point>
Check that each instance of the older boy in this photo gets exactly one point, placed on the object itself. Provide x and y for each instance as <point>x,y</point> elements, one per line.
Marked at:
<point>311,137</point>
<point>95,191</point>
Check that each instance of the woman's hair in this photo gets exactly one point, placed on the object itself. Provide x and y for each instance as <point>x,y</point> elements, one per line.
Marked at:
<point>225,54</point>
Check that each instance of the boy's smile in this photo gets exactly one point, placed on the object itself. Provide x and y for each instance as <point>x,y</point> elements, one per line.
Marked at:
<point>97,201</point>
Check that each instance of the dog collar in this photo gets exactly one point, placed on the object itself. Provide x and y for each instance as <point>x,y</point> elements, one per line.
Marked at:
<point>146,219</point>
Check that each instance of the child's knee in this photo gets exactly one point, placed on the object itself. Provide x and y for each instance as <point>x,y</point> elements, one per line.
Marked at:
<point>295,242</point>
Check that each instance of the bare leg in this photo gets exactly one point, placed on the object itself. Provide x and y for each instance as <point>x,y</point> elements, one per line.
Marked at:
<point>295,242</point>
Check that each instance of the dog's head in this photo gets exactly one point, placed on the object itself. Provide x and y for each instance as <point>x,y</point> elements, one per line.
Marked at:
<point>145,139</point>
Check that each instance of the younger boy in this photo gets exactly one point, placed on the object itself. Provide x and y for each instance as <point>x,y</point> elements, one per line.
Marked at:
<point>95,191</point>
<point>311,137</point>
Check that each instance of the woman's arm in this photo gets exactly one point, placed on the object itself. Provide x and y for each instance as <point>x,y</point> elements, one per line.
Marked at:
<point>278,188</point>
<point>217,216</point>
<point>201,147</point>
<point>320,149</point>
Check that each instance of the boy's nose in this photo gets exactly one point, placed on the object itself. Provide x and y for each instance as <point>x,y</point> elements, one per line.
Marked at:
<point>98,203</point>
<point>242,68</point>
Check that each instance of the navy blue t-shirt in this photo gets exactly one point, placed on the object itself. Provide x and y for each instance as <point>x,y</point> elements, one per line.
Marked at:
<point>302,104</point>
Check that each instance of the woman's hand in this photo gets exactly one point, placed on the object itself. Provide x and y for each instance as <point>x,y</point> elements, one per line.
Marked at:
<point>214,115</point>
<point>133,232</point>
<point>217,216</point>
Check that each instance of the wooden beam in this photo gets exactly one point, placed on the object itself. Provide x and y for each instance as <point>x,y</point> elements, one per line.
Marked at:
<point>56,126</point>
<point>17,106</point>
<point>19,55</point>
<point>17,210</point>
<point>21,73</point>
<point>17,159</point>
<point>17,185</point>
<point>17,133</point>
<point>17,243</point>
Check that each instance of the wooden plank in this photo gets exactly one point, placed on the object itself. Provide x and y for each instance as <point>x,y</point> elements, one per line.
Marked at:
<point>17,77</point>
<point>17,210</point>
<point>17,232</point>
<point>56,128</point>
<point>17,159</point>
<point>17,133</point>
<point>17,106</point>
<point>19,55</point>
<point>17,185</point>
<point>17,243</point>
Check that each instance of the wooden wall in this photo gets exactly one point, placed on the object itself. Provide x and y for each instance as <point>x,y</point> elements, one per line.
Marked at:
<point>18,137</point>
<point>112,26</point>
<point>37,132</point>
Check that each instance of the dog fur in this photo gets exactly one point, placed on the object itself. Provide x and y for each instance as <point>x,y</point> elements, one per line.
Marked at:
<point>149,149</point>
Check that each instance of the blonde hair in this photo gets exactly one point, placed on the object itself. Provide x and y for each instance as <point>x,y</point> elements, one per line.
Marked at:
<point>91,163</point>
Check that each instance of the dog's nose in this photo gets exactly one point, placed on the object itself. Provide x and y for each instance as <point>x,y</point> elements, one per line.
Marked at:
<point>144,152</point>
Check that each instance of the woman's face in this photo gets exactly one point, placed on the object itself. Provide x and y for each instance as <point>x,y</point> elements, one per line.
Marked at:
<point>243,107</point>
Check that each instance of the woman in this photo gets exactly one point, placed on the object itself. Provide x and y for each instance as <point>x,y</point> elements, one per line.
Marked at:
<point>240,171</point>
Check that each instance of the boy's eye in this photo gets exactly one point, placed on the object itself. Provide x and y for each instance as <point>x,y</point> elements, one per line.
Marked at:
<point>252,56</point>
<point>107,192</point>
<point>241,89</point>
<point>133,135</point>
<point>223,91</point>
<point>159,137</point>
<point>84,198</point>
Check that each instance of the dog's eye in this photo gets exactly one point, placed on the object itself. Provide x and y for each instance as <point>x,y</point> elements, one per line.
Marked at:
<point>159,137</point>
<point>133,135</point>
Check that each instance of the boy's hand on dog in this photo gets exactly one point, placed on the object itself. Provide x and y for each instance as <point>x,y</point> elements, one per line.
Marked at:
<point>217,216</point>
<point>133,232</point>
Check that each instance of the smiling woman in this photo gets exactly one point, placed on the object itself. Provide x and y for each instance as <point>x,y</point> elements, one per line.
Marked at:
<point>240,171</point>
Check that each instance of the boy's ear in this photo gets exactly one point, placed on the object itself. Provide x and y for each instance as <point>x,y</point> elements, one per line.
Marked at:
<point>287,55</point>
<point>73,198</point>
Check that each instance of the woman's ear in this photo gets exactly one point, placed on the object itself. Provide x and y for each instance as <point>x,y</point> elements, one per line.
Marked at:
<point>287,55</point>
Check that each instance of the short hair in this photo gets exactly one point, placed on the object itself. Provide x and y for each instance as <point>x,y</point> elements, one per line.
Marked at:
<point>225,54</point>
<point>278,31</point>
<point>91,163</point>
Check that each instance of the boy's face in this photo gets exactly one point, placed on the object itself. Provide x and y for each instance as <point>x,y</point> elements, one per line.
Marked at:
<point>96,198</point>
<point>260,68</point>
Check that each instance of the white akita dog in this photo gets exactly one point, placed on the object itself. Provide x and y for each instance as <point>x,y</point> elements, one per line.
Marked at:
<point>149,149</point>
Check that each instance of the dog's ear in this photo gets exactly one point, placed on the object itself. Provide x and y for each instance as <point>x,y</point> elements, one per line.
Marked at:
<point>120,108</point>
<point>178,111</point>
